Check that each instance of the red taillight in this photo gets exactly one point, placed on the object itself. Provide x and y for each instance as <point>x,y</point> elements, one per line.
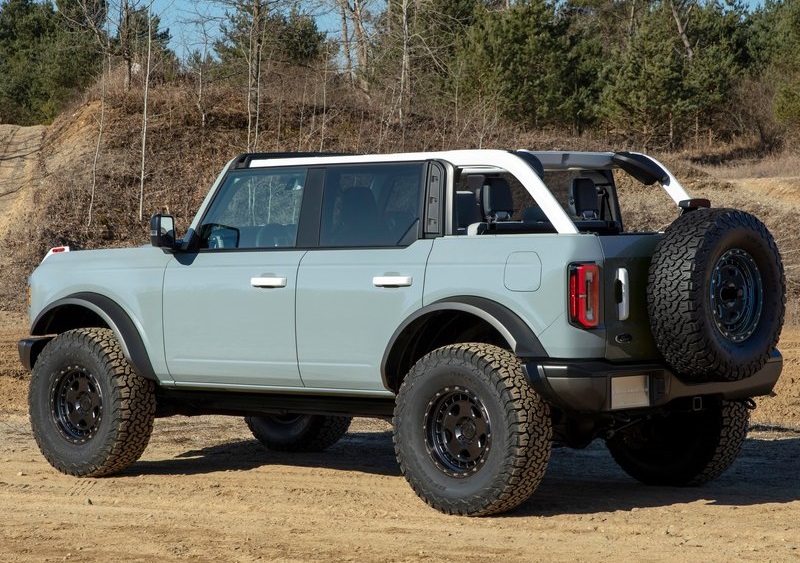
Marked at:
<point>584,295</point>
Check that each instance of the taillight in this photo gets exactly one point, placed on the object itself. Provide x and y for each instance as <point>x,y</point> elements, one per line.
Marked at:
<point>584,295</point>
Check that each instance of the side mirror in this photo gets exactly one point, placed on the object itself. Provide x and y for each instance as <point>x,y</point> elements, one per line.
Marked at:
<point>162,231</point>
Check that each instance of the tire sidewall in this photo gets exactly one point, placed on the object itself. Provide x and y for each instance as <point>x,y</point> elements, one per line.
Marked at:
<point>679,299</point>
<point>65,455</point>
<point>416,454</point>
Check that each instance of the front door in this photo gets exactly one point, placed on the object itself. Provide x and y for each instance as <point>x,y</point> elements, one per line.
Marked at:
<point>229,308</point>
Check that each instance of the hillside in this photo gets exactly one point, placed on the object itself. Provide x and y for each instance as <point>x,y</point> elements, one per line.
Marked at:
<point>65,185</point>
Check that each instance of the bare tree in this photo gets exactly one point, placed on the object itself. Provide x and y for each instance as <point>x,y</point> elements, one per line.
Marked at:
<point>682,11</point>
<point>144,110</point>
<point>357,13</point>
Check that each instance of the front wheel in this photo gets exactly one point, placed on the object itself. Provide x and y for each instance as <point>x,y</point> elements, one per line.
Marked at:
<point>682,448</point>
<point>91,414</point>
<point>471,436</point>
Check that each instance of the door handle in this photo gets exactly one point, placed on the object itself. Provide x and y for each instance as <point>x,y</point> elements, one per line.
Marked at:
<point>268,282</point>
<point>623,296</point>
<point>392,281</point>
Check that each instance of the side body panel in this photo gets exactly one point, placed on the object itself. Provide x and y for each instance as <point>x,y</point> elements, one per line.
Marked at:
<point>223,330</point>
<point>130,277</point>
<point>345,319</point>
<point>527,274</point>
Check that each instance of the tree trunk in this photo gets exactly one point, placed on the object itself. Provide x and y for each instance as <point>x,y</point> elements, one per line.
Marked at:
<point>144,110</point>
<point>682,27</point>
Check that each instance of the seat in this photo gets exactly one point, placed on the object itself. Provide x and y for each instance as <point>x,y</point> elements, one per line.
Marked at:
<point>357,223</point>
<point>584,201</point>
<point>274,235</point>
<point>467,211</point>
<point>496,201</point>
<point>534,214</point>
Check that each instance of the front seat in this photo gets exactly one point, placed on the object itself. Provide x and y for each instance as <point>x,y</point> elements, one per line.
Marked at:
<point>496,201</point>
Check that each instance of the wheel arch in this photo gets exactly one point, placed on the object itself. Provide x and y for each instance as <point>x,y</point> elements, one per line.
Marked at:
<point>82,310</point>
<point>452,320</point>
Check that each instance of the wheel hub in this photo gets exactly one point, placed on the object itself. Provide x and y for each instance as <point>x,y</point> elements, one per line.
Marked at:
<point>76,404</point>
<point>457,432</point>
<point>736,293</point>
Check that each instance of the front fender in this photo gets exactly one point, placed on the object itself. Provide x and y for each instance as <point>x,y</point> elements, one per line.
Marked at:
<point>52,320</point>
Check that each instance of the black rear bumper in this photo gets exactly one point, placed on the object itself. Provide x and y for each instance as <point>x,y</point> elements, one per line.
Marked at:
<point>598,386</point>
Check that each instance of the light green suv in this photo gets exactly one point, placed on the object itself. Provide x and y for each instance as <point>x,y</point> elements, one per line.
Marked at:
<point>490,303</point>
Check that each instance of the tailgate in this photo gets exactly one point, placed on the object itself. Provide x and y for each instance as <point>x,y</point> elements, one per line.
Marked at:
<point>626,261</point>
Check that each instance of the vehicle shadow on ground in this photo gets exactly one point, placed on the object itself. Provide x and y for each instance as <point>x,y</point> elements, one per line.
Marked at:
<point>589,481</point>
<point>367,452</point>
<point>577,481</point>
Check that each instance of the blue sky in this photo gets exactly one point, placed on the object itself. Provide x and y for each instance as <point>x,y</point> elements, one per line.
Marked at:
<point>177,15</point>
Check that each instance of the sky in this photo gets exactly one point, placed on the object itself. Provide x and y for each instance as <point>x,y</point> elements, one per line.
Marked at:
<point>178,15</point>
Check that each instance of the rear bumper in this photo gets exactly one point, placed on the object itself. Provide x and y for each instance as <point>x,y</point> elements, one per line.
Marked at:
<point>599,386</point>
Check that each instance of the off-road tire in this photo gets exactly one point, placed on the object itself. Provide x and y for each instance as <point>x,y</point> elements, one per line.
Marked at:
<point>470,434</point>
<point>298,432</point>
<point>91,414</point>
<point>682,448</point>
<point>716,295</point>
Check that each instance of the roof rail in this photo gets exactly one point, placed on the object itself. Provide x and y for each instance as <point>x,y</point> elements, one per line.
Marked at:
<point>244,160</point>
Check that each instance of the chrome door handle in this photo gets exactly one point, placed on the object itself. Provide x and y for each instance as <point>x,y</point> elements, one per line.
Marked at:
<point>392,281</point>
<point>624,304</point>
<point>268,281</point>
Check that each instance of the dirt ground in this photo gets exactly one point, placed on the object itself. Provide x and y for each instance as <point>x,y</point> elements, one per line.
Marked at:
<point>205,490</point>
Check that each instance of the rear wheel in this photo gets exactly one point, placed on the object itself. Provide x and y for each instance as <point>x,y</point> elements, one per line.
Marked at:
<point>298,432</point>
<point>471,436</point>
<point>682,448</point>
<point>91,414</point>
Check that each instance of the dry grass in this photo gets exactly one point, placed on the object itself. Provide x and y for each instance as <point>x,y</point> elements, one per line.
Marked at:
<point>783,165</point>
<point>184,155</point>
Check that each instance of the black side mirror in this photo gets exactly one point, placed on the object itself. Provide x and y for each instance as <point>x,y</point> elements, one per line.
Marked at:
<point>162,231</point>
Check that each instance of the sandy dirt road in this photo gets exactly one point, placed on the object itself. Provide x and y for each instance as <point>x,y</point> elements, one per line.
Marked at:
<point>205,490</point>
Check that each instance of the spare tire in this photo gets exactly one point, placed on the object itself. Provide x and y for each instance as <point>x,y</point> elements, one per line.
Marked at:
<point>716,295</point>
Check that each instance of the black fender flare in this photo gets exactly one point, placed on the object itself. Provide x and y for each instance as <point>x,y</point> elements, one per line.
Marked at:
<point>112,315</point>
<point>520,338</point>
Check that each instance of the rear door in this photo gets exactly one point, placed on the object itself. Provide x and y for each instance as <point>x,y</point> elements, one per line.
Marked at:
<point>367,275</point>
<point>625,270</point>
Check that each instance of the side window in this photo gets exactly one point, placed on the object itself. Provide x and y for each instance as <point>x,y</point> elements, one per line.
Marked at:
<point>496,196</point>
<point>371,205</point>
<point>256,208</point>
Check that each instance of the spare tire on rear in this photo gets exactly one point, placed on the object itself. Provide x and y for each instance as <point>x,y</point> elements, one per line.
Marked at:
<point>716,295</point>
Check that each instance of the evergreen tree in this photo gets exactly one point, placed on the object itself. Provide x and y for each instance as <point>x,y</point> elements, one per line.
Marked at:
<point>516,56</point>
<point>44,64</point>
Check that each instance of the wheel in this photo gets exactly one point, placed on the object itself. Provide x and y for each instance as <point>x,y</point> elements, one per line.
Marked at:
<point>298,432</point>
<point>682,448</point>
<point>91,414</point>
<point>716,295</point>
<point>471,436</point>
